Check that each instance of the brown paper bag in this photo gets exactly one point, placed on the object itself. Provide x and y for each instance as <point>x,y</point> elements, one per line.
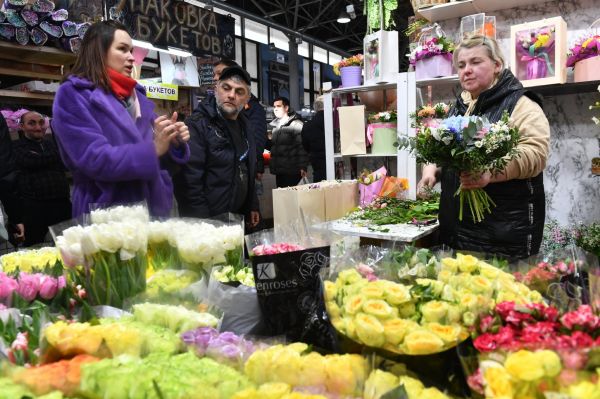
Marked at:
<point>352,130</point>
<point>340,199</point>
<point>288,201</point>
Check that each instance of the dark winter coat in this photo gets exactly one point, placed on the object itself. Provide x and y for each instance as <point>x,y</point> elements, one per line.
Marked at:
<point>287,153</point>
<point>257,125</point>
<point>515,226</point>
<point>205,186</point>
<point>313,140</point>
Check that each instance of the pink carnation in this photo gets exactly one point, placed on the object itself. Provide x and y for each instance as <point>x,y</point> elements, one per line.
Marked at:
<point>582,317</point>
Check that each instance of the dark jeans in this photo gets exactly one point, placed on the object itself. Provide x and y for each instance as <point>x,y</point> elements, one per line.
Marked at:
<point>287,180</point>
<point>38,215</point>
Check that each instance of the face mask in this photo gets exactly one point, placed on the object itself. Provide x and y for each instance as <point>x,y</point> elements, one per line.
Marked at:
<point>279,112</point>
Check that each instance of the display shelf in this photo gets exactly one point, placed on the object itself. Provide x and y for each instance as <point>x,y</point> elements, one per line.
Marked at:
<point>354,89</point>
<point>566,88</point>
<point>396,232</point>
<point>444,80</point>
<point>15,96</point>
<point>36,54</point>
<point>338,155</point>
<point>457,9</point>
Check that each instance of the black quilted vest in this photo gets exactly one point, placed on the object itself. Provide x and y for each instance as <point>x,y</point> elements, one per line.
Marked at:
<point>515,226</point>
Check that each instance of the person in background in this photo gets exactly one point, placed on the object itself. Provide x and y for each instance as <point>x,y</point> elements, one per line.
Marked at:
<point>255,114</point>
<point>288,158</point>
<point>219,175</point>
<point>8,187</point>
<point>42,184</point>
<point>515,226</point>
<point>313,140</point>
<point>110,138</point>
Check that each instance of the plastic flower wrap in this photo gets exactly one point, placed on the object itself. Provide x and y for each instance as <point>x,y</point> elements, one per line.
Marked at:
<point>545,276</point>
<point>381,383</point>
<point>32,260</point>
<point>342,375</point>
<point>467,144</point>
<point>432,47</point>
<point>120,213</point>
<point>534,48</point>
<point>161,253</point>
<point>108,260</point>
<point>556,239</point>
<point>355,60</point>
<point>161,376</point>
<point>584,48</point>
<point>425,316</point>
<point>228,274</point>
<point>170,286</point>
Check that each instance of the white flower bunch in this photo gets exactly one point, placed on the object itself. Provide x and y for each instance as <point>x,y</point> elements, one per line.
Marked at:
<point>120,213</point>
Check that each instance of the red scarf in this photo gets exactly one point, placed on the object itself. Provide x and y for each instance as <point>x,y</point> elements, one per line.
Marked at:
<point>120,84</point>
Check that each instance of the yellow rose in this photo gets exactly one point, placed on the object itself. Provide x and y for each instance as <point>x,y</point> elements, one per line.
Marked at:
<point>584,390</point>
<point>468,301</point>
<point>481,285</point>
<point>378,308</point>
<point>339,375</point>
<point>412,386</point>
<point>378,383</point>
<point>454,314</point>
<point>436,286</point>
<point>340,325</point>
<point>445,275</point>
<point>273,390</point>
<point>550,362</point>
<point>396,329</point>
<point>349,327</point>
<point>369,330</point>
<point>285,366</point>
<point>330,290</point>
<point>469,319</point>
<point>450,334</point>
<point>349,276</point>
<point>354,304</point>
<point>488,271</point>
<point>448,293</point>
<point>396,294</point>
<point>432,393</point>
<point>523,365</point>
<point>497,383</point>
<point>312,370</point>
<point>506,296</point>
<point>434,311</point>
<point>450,264</point>
<point>300,395</point>
<point>333,310</point>
<point>248,393</point>
<point>466,263</point>
<point>407,310</point>
<point>372,291</point>
<point>422,342</point>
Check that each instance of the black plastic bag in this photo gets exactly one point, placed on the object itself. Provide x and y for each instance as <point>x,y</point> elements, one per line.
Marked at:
<point>290,294</point>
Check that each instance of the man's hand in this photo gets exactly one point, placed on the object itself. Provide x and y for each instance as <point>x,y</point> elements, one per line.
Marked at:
<point>254,218</point>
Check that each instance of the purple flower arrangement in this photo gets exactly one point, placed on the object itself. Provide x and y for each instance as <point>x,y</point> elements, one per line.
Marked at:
<point>225,347</point>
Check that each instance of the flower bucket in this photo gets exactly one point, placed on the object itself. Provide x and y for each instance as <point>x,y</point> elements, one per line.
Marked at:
<point>434,67</point>
<point>588,69</point>
<point>351,76</point>
<point>382,137</point>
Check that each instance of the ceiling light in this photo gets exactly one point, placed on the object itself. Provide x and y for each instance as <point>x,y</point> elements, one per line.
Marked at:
<point>344,18</point>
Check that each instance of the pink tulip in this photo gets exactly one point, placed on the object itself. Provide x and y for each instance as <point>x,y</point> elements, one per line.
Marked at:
<point>48,287</point>
<point>29,286</point>
<point>7,286</point>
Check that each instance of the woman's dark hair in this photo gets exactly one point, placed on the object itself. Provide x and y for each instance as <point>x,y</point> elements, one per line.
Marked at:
<point>91,60</point>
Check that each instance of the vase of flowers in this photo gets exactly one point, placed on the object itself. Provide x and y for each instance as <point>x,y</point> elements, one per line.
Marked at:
<point>584,57</point>
<point>382,132</point>
<point>350,70</point>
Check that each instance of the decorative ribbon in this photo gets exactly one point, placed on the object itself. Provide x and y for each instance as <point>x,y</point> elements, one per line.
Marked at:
<point>372,126</point>
<point>542,56</point>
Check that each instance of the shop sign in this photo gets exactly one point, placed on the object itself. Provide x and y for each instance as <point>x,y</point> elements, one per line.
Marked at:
<point>174,23</point>
<point>161,91</point>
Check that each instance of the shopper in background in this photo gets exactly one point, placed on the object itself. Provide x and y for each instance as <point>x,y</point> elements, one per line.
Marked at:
<point>514,228</point>
<point>288,158</point>
<point>42,184</point>
<point>109,135</point>
<point>256,115</point>
<point>8,186</point>
<point>220,174</point>
<point>313,140</point>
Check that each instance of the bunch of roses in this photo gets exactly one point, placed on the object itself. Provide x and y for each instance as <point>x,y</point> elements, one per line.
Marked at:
<point>276,248</point>
<point>544,273</point>
<point>29,287</point>
<point>535,326</point>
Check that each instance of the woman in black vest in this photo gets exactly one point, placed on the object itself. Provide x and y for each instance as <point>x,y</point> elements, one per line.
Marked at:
<point>515,226</point>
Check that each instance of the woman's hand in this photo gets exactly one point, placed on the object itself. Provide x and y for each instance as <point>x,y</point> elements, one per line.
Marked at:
<point>165,131</point>
<point>428,179</point>
<point>470,180</point>
<point>183,133</point>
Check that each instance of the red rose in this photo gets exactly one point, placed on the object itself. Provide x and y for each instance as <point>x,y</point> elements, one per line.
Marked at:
<point>504,308</point>
<point>485,343</point>
<point>582,340</point>
<point>550,313</point>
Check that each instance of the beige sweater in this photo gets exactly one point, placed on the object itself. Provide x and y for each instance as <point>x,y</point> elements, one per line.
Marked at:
<point>534,142</point>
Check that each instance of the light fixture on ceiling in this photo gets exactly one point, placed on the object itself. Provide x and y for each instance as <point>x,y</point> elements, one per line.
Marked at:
<point>344,18</point>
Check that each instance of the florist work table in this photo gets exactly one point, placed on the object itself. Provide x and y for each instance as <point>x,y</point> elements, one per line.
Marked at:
<point>393,232</point>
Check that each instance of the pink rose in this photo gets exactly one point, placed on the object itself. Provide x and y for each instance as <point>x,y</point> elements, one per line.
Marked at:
<point>504,308</point>
<point>48,287</point>
<point>7,286</point>
<point>29,286</point>
<point>573,360</point>
<point>550,313</point>
<point>582,317</point>
<point>485,343</point>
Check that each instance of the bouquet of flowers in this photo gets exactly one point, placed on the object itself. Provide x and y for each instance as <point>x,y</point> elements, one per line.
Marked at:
<point>437,45</point>
<point>383,117</point>
<point>355,60</point>
<point>469,144</point>
<point>556,238</point>
<point>534,47</point>
<point>543,274</point>
<point>32,260</point>
<point>427,114</point>
<point>584,48</point>
<point>588,237</point>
